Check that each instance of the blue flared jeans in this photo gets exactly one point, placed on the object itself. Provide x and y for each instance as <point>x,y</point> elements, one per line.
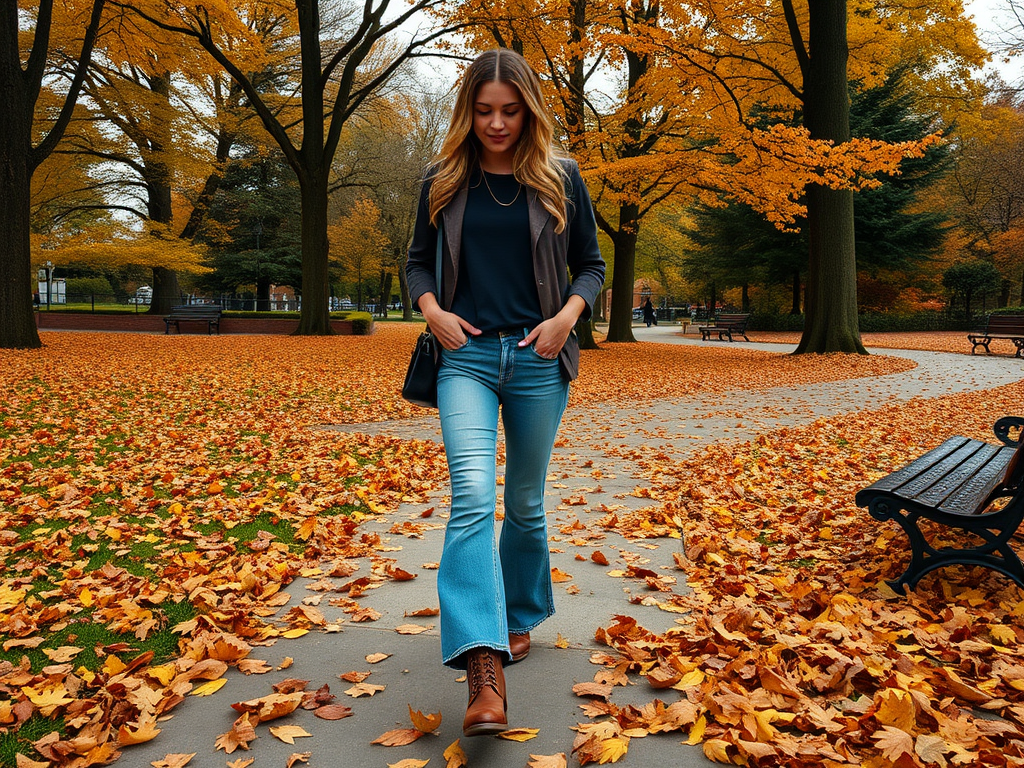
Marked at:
<point>488,588</point>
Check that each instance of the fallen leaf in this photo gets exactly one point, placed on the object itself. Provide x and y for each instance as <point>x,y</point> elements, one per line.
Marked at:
<point>364,689</point>
<point>455,756</point>
<point>297,757</point>
<point>206,689</point>
<point>332,712</point>
<point>519,734</point>
<point>288,733</point>
<point>376,658</point>
<point>173,761</point>
<point>409,762</point>
<point>398,737</point>
<point>425,723</point>
<point>146,731</point>
<point>242,762</point>
<point>547,761</point>
<point>412,629</point>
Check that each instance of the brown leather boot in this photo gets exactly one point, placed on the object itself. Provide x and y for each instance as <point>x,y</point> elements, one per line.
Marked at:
<point>519,646</point>
<point>485,714</point>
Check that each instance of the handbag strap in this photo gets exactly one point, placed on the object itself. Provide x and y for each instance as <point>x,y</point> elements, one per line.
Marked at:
<point>437,259</point>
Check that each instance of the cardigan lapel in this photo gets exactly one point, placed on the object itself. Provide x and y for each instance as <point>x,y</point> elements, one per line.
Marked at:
<point>453,215</point>
<point>539,216</point>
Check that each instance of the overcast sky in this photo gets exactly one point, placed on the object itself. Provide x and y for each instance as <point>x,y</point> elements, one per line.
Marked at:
<point>993,19</point>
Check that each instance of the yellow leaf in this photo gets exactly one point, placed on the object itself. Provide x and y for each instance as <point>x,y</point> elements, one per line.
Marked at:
<point>288,733</point>
<point>692,678</point>
<point>519,734</point>
<point>614,749</point>
<point>717,751</point>
<point>409,762</point>
<point>85,597</point>
<point>113,665</point>
<point>455,756</point>
<point>147,731</point>
<point>1003,634</point>
<point>291,634</point>
<point>211,687</point>
<point>697,732</point>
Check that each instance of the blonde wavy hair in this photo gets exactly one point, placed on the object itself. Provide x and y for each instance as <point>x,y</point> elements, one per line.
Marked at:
<point>536,160</point>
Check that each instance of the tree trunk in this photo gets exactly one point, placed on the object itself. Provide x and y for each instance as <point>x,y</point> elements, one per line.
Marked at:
<point>1004,294</point>
<point>17,320</point>
<point>831,302</point>
<point>585,334</point>
<point>745,301</point>
<point>795,309</point>
<point>406,296</point>
<point>713,303</point>
<point>158,176</point>
<point>166,292</point>
<point>314,319</point>
<point>620,320</point>
<point>263,293</point>
<point>386,278</point>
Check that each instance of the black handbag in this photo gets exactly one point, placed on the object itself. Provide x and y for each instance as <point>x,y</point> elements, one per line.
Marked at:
<point>420,387</point>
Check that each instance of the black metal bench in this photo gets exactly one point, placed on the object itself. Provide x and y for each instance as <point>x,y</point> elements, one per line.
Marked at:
<point>967,484</point>
<point>725,325</point>
<point>203,313</point>
<point>1000,327</point>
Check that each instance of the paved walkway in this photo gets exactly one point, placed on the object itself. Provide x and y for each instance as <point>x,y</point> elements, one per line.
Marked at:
<point>540,687</point>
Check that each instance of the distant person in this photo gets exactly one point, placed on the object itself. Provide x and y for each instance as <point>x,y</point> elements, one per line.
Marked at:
<point>516,220</point>
<point>37,300</point>
<point>650,316</point>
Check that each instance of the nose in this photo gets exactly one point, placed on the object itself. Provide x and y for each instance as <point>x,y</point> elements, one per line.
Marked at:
<point>497,120</point>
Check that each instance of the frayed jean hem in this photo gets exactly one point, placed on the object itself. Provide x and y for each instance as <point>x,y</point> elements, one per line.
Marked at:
<point>456,660</point>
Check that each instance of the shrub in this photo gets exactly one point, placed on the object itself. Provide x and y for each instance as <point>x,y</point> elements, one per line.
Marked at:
<point>362,323</point>
<point>83,287</point>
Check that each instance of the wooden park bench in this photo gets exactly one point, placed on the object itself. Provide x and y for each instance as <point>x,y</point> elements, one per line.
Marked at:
<point>1000,327</point>
<point>201,313</point>
<point>725,325</point>
<point>966,484</point>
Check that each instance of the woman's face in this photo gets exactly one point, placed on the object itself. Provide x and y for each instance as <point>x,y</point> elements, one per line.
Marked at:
<point>499,115</point>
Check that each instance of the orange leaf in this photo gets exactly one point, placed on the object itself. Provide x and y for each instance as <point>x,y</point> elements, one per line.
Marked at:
<point>425,723</point>
<point>398,737</point>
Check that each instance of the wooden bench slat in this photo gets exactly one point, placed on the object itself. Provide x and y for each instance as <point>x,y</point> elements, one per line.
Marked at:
<point>913,488</point>
<point>973,496</point>
<point>916,467</point>
<point>947,485</point>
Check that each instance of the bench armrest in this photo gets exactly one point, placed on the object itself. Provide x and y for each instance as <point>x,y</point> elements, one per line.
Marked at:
<point>1004,425</point>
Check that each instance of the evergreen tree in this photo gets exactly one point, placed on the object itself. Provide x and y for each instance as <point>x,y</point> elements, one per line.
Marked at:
<point>253,229</point>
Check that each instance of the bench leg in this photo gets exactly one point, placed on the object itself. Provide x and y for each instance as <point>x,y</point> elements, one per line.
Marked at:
<point>1019,343</point>
<point>995,553</point>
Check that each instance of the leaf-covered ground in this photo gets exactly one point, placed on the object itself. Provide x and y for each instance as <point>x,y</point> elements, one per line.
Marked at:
<point>933,341</point>
<point>157,492</point>
<point>792,650</point>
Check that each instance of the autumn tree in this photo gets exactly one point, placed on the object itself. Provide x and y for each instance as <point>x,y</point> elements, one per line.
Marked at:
<point>25,141</point>
<point>333,82</point>
<point>359,244</point>
<point>985,191</point>
<point>382,156</point>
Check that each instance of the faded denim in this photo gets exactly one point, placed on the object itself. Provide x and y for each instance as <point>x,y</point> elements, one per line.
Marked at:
<point>486,588</point>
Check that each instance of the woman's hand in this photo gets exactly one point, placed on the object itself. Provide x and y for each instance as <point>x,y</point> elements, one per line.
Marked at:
<point>450,329</point>
<point>549,337</point>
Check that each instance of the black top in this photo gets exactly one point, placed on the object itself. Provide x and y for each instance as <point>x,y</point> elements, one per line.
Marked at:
<point>496,288</point>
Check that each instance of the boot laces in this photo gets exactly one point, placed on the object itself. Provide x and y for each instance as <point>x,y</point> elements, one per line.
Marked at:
<point>482,672</point>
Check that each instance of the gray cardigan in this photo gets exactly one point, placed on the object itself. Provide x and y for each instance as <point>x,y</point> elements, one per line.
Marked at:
<point>556,256</point>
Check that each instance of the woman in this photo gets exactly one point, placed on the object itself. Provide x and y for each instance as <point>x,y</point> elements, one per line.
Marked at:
<point>515,221</point>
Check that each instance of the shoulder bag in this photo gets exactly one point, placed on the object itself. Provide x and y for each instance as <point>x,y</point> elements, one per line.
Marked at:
<point>420,386</point>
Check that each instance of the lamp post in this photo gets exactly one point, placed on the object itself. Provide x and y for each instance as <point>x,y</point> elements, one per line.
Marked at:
<point>258,230</point>
<point>49,283</point>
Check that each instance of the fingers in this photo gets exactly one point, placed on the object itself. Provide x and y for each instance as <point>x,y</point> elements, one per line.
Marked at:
<point>469,328</point>
<point>530,337</point>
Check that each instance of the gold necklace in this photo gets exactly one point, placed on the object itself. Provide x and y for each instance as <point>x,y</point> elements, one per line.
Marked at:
<point>503,205</point>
